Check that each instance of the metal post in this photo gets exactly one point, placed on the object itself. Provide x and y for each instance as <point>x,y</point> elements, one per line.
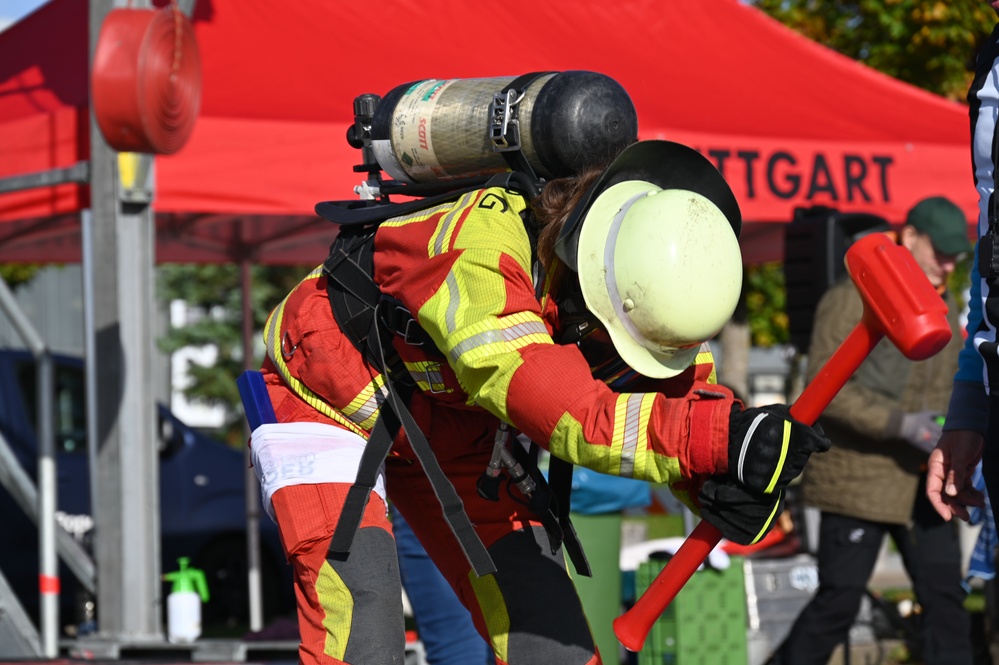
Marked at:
<point>125,477</point>
<point>48,569</point>
<point>89,346</point>
<point>252,487</point>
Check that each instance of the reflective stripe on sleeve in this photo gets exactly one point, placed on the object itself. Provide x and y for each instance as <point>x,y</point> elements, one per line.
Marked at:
<point>511,332</point>
<point>631,424</point>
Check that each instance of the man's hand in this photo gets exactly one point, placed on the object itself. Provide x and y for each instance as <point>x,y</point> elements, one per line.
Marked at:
<point>767,448</point>
<point>951,467</point>
<point>921,429</point>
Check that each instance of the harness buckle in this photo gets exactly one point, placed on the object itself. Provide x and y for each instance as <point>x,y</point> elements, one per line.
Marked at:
<point>287,352</point>
<point>413,334</point>
<point>401,322</point>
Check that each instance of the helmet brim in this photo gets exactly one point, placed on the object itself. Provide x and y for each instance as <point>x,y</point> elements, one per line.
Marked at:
<point>667,165</point>
<point>605,296</point>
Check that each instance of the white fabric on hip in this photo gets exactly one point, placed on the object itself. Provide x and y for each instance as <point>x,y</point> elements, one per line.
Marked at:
<point>287,454</point>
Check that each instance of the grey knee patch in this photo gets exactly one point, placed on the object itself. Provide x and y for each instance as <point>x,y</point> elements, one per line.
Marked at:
<point>547,624</point>
<point>371,573</point>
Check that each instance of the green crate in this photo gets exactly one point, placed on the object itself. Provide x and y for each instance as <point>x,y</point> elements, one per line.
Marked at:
<point>706,622</point>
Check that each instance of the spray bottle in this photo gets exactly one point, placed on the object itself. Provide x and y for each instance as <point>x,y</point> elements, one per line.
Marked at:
<point>184,602</point>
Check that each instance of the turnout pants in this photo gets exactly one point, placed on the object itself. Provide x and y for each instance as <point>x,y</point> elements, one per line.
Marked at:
<point>350,608</point>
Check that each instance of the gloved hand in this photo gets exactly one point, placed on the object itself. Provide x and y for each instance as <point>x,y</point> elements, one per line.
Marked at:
<point>767,448</point>
<point>921,429</point>
<point>742,516</point>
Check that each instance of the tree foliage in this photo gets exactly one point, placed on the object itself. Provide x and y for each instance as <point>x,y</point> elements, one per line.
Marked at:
<point>215,290</point>
<point>15,274</point>
<point>766,304</point>
<point>928,43</point>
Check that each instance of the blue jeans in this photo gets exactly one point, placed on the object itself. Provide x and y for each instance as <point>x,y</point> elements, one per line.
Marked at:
<point>442,622</point>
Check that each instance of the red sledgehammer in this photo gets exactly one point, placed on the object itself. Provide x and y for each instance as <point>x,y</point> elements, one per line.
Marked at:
<point>900,303</point>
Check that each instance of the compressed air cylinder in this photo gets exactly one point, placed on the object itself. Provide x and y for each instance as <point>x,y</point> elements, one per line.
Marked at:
<point>439,130</point>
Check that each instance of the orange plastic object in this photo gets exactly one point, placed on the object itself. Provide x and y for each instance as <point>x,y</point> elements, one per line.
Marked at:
<point>897,296</point>
<point>146,80</point>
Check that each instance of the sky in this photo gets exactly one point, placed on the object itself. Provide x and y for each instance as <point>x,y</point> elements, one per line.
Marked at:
<point>12,11</point>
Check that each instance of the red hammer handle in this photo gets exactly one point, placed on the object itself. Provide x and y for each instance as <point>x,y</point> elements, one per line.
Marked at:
<point>634,625</point>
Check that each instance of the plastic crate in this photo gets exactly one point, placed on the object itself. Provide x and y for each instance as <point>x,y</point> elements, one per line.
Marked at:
<point>706,622</point>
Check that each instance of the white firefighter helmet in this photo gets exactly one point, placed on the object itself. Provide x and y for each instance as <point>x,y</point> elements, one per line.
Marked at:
<point>657,254</point>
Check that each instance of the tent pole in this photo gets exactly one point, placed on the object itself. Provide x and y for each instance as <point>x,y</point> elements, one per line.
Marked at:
<point>252,488</point>
<point>78,173</point>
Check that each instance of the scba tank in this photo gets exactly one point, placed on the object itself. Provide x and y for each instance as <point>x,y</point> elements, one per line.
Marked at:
<point>439,130</point>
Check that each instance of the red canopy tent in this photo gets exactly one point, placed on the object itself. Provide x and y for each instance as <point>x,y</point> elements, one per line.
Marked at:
<point>788,122</point>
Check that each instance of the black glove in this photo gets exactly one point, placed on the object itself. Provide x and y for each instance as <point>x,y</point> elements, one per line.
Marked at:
<point>742,516</point>
<point>921,430</point>
<point>767,448</point>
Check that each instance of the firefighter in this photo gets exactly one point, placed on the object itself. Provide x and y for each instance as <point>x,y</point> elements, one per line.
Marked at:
<point>589,340</point>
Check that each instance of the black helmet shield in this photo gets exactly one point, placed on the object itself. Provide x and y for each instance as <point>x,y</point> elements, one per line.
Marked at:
<point>665,164</point>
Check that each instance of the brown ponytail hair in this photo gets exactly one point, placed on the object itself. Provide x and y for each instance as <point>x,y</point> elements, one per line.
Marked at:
<point>552,206</point>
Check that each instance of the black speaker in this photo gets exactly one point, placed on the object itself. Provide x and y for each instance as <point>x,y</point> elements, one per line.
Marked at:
<point>815,243</point>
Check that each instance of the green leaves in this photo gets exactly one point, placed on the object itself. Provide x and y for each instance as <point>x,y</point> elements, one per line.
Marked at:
<point>215,293</point>
<point>766,304</point>
<point>928,43</point>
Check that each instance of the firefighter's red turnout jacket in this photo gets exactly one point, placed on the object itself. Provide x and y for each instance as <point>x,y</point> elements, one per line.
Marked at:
<point>463,269</point>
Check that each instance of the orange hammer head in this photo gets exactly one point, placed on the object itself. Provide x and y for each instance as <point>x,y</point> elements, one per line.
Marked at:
<point>899,300</point>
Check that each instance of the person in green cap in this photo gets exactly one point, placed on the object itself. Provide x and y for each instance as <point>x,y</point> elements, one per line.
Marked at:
<point>936,232</point>
<point>883,425</point>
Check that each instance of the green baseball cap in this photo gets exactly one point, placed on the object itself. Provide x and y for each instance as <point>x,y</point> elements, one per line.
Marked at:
<point>943,222</point>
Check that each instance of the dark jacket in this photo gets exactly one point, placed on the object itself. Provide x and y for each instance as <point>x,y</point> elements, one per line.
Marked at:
<point>869,473</point>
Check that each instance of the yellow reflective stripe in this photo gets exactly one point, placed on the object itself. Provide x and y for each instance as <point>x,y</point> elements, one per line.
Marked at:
<point>272,339</point>
<point>705,357</point>
<point>363,409</point>
<point>453,302</point>
<point>494,611</point>
<point>631,423</point>
<point>770,519</point>
<point>418,216</point>
<point>473,347</point>
<point>512,332</point>
<point>524,328</point>
<point>785,441</point>
<point>441,238</point>
<point>569,442</point>
<point>338,610</point>
<point>428,375</point>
